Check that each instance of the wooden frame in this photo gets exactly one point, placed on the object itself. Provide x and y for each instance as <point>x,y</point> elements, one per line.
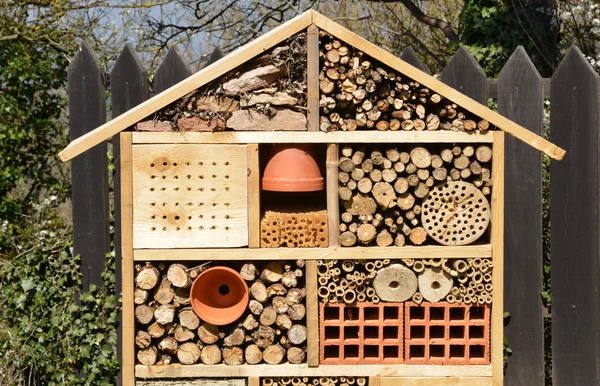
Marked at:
<point>128,353</point>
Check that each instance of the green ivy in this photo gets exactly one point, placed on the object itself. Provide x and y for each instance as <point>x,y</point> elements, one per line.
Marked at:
<point>46,336</point>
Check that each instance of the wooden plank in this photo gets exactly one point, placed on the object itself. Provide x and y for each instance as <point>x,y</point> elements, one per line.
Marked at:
<point>312,314</point>
<point>89,174</point>
<point>303,370</point>
<point>333,200</point>
<point>129,87</point>
<point>312,77</point>
<point>316,137</point>
<point>374,380</point>
<point>408,252</point>
<point>463,73</point>
<point>190,196</point>
<point>497,239</point>
<point>220,67</point>
<point>172,70</point>
<point>520,98</point>
<point>575,122</point>
<point>254,381</point>
<point>410,57</point>
<point>479,381</point>
<point>253,196</point>
<point>457,97</point>
<point>128,348</point>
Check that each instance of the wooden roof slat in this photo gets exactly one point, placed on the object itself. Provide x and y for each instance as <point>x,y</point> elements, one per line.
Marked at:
<point>277,35</point>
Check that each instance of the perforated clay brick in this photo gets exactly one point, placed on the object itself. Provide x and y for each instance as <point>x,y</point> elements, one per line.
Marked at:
<point>361,333</point>
<point>443,333</point>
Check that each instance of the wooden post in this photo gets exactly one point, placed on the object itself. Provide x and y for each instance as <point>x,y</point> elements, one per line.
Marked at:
<point>128,348</point>
<point>575,124</point>
<point>497,237</point>
<point>253,196</point>
<point>89,173</point>
<point>312,314</point>
<point>520,98</point>
<point>312,77</point>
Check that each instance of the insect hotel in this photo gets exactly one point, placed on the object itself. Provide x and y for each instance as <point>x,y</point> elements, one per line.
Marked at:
<point>311,210</point>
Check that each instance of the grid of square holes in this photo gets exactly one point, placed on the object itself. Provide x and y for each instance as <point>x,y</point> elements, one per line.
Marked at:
<point>443,333</point>
<point>361,333</point>
<point>190,196</point>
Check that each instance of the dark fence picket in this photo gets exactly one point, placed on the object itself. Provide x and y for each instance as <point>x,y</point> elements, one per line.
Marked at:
<point>575,124</point>
<point>214,56</point>
<point>466,75</point>
<point>89,171</point>
<point>520,99</point>
<point>129,87</point>
<point>172,70</point>
<point>410,57</point>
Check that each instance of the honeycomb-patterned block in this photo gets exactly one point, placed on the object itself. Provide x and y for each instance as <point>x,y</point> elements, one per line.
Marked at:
<point>361,333</point>
<point>443,333</point>
<point>294,230</point>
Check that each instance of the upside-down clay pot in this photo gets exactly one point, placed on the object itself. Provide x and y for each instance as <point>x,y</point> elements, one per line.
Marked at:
<point>292,168</point>
<point>219,296</point>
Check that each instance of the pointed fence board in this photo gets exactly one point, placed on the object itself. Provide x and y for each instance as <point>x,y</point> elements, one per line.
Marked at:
<point>466,75</point>
<point>172,70</point>
<point>129,86</point>
<point>214,56</point>
<point>520,98</point>
<point>575,124</point>
<point>89,173</point>
<point>410,57</point>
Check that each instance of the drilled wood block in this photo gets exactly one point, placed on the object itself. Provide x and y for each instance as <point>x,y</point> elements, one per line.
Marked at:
<point>188,196</point>
<point>294,230</point>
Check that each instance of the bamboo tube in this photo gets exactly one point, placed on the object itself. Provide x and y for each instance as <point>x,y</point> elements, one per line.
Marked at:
<point>478,277</point>
<point>488,299</point>
<point>418,266</point>
<point>378,264</point>
<point>417,297</point>
<point>480,287</point>
<point>408,262</point>
<point>375,299</point>
<point>471,291</point>
<point>450,299</point>
<point>348,266</point>
<point>350,380</point>
<point>323,291</point>
<point>267,382</point>
<point>370,266</point>
<point>472,284</point>
<point>349,296</point>
<point>360,289</point>
<point>467,299</point>
<point>344,283</point>
<point>322,280</point>
<point>361,297</point>
<point>361,381</point>
<point>460,265</point>
<point>477,262</point>
<point>484,268</point>
<point>370,292</point>
<point>481,299</point>
<point>339,291</point>
<point>386,261</point>
<point>488,287</point>
<point>322,269</point>
<point>336,271</point>
<point>332,287</point>
<point>435,262</point>
<point>455,291</point>
<point>487,277</point>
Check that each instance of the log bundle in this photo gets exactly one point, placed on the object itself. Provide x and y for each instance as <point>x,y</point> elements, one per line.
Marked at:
<point>389,195</point>
<point>294,230</point>
<point>272,330</point>
<point>314,381</point>
<point>467,281</point>
<point>357,92</point>
<point>263,94</point>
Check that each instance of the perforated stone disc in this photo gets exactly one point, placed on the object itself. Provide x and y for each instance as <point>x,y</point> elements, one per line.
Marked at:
<point>456,213</point>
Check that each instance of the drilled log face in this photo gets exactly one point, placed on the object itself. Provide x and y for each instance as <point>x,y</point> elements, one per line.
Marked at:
<point>456,213</point>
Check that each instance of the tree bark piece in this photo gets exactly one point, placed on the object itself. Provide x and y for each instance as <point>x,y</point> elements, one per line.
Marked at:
<point>264,336</point>
<point>143,339</point>
<point>169,344</point>
<point>183,334</point>
<point>147,356</point>
<point>211,355</point>
<point>236,338</point>
<point>395,283</point>
<point>268,316</point>
<point>272,272</point>
<point>274,354</point>
<point>144,313</point>
<point>165,313</point>
<point>259,291</point>
<point>253,354</point>
<point>178,276</point>
<point>147,278</point>
<point>208,333</point>
<point>248,272</point>
<point>164,293</point>
<point>156,330</point>
<point>297,334</point>
<point>295,355</point>
<point>233,356</point>
<point>188,318</point>
<point>188,353</point>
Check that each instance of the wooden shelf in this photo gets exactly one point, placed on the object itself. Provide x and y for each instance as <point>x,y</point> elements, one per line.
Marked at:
<point>231,137</point>
<point>410,252</point>
<point>189,371</point>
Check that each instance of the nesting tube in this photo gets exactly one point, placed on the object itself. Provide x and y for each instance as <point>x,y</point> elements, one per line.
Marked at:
<point>418,266</point>
<point>323,291</point>
<point>408,262</point>
<point>349,296</point>
<point>361,297</point>
<point>417,298</point>
<point>370,266</point>
<point>348,265</point>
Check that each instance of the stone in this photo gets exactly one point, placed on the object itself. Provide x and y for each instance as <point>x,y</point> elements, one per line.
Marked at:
<point>252,120</point>
<point>198,124</point>
<point>279,99</point>
<point>157,126</point>
<point>253,80</point>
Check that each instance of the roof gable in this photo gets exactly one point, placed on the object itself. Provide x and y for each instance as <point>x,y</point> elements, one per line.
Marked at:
<point>274,37</point>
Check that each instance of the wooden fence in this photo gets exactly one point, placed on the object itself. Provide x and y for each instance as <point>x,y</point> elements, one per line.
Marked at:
<point>574,91</point>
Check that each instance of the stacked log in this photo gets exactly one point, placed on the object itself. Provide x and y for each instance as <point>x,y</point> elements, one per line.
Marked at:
<point>467,281</point>
<point>358,93</point>
<point>273,329</point>
<point>382,190</point>
<point>294,230</point>
<point>262,94</point>
<point>314,381</point>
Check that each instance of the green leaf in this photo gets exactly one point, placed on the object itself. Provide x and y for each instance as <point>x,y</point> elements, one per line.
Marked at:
<point>27,285</point>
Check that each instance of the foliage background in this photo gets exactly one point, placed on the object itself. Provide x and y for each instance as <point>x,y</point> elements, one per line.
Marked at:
<point>53,331</point>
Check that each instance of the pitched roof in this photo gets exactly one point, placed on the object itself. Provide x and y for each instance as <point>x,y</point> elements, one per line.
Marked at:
<point>274,37</point>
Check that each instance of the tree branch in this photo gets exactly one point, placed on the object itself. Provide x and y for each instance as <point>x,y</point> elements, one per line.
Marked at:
<point>443,25</point>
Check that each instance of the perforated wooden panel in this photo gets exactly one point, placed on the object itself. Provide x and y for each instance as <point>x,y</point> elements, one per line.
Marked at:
<point>190,196</point>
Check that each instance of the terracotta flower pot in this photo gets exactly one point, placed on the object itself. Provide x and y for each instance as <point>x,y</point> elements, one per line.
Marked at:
<point>292,168</point>
<point>219,295</point>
